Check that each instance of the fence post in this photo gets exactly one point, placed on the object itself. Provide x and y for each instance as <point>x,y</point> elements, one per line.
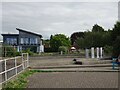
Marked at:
<point>27,60</point>
<point>23,61</point>
<point>5,71</point>
<point>15,66</point>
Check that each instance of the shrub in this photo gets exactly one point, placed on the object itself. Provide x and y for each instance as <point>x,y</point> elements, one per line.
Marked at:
<point>28,51</point>
<point>63,48</point>
<point>10,51</point>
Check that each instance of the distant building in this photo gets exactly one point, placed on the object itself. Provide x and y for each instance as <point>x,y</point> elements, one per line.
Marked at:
<point>24,40</point>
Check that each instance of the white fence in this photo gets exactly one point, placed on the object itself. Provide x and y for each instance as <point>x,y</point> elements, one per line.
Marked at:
<point>12,66</point>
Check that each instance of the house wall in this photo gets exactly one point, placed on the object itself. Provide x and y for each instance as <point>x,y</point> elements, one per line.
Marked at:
<point>27,35</point>
<point>22,46</point>
<point>34,47</point>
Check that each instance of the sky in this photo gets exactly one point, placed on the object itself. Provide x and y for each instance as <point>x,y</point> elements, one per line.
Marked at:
<point>48,18</point>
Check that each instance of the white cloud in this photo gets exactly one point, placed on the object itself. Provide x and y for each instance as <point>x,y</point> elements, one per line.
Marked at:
<point>60,0</point>
<point>58,17</point>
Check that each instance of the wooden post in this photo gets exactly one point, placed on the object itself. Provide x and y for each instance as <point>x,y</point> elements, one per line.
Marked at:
<point>23,61</point>
<point>27,60</point>
<point>15,66</point>
<point>5,71</point>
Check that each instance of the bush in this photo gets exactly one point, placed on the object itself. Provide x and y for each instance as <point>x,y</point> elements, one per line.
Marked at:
<point>28,51</point>
<point>63,48</point>
<point>9,51</point>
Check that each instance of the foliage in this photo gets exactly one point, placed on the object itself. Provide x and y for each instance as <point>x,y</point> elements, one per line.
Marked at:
<point>108,50</point>
<point>46,43</point>
<point>28,51</point>
<point>116,31</point>
<point>19,83</point>
<point>91,39</point>
<point>63,48</point>
<point>95,38</point>
<point>10,51</point>
<point>107,39</point>
<point>116,47</point>
<point>97,28</point>
<point>76,35</point>
<point>116,39</point>
<point>59,40</point>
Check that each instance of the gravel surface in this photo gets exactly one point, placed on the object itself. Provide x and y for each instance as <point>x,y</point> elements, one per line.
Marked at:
<point>64,61</point>
<point>74,80</point>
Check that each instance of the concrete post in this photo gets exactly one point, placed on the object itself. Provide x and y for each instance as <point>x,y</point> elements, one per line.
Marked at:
<point>41,48</point>
<point>101,52</point>
<point>61,52</point>
<point>97,52</point>
<point>92,53</point>
<point>18,49</point>
<point>87,53</point>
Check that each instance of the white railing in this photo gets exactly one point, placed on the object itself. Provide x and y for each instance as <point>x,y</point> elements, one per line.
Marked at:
<point>12,66</point>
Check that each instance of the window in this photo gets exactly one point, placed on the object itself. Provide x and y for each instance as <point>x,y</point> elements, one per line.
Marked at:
<point>33,41</point>
<point>21,41</point>
<point>8,40</point>
<point>15,41</point>
<point>26,41</point>
<point>11,41</point>
<point>36,40</point>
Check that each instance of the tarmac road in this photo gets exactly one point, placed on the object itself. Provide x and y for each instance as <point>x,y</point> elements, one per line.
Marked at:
<point>74,80</point>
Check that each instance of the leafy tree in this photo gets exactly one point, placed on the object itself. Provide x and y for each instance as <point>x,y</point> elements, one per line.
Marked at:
<point>75,36</point>
<point>107,40</point>
<point>116,39</point>
<point>80,42</point>
<point>46,43</point>
<point>97,28</point>
<point>108,50</point>
<point>91,39</point>
<point>59,40</point>
<point>116,47</point>
<point>116,31</point>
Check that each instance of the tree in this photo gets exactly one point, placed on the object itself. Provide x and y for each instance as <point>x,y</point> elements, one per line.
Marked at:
<point>116,47</point>
<point>116,39</point>
<point>59,40</point>
<point>115,31</point>
<point>91,39</point>
<point>97,28</point>
<point>75,36</point>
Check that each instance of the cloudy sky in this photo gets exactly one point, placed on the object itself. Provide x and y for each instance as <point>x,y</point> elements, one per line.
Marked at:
<point>48,18</point>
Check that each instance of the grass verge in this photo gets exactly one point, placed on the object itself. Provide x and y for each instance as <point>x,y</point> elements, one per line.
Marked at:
<point>20,82</point>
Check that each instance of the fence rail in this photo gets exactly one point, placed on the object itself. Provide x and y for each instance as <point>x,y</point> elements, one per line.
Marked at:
<point>12,66</point>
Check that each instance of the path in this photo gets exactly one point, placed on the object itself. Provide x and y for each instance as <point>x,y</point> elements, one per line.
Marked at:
<point>74,80</point>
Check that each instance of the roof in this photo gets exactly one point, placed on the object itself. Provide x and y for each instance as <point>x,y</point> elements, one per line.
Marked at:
<point>29,32</point>
<point>73,48</point>
<point>10,34</point>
